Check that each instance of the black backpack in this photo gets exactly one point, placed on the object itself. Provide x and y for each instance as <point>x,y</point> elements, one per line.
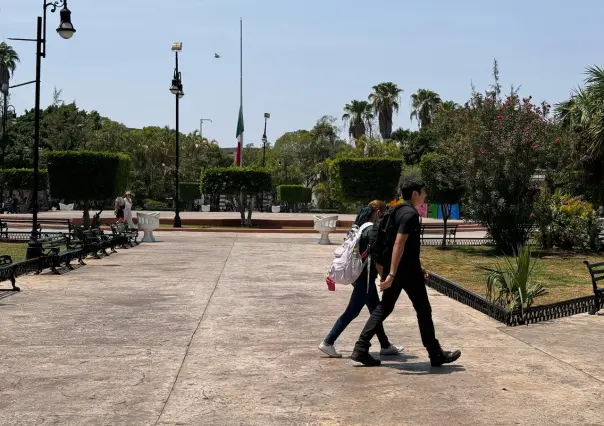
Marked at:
<point>382,236</point>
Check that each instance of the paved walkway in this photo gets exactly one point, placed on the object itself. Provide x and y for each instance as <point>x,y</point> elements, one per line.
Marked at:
<point>222,329</point>
<point>65,214</point>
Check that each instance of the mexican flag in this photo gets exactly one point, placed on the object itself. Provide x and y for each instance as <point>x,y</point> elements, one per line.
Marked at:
<point>238,157</point>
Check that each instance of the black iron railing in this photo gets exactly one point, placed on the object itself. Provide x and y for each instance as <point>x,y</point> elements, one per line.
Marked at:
<point>528,316</point>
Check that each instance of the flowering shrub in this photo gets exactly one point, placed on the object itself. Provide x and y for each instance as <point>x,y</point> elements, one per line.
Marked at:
<point>568,223</point>
<point>502,144</point>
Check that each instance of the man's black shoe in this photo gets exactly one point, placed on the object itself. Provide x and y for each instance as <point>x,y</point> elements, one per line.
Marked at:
<point>365,359</point>
<point>444,357</point>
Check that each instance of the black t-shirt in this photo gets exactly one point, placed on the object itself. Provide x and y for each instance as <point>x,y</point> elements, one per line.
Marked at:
<point>407,222</point>
<point>363,243</point>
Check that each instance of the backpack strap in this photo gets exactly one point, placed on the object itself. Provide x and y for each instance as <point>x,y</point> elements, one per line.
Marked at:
<point>364,226</point>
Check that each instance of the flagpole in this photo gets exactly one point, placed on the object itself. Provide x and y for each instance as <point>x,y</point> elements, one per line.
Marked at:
<point>241,79</point>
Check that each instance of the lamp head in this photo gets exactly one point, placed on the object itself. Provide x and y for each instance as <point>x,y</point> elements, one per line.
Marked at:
<point>66,29</point>
<point>177,46</point>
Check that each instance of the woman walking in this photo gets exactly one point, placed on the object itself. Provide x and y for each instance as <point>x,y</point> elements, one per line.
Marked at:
<point>362,294</point>
<point>128,209</point>
<point>120,205</point>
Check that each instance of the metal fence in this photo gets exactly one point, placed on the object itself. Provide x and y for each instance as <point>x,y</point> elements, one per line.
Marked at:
<point>528,316</point>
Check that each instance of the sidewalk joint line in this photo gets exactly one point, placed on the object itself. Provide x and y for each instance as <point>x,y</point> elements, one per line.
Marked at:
<point>552,356</point>
<point>203,314</point>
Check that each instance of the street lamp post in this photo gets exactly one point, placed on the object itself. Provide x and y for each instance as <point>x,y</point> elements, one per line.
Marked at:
<point>264,139</point>
<point>176,90</point>
<point>66,31</point>
<point>201,120</point>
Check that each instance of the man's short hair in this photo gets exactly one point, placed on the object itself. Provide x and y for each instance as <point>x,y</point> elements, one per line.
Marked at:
<point>411,185</point>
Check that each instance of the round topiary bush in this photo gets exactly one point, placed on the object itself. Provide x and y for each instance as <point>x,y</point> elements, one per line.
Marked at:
<point>366,179</point>
<point>294,193</point>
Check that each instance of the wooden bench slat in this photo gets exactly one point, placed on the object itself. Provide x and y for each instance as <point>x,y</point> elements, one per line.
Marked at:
<point>593,265</point>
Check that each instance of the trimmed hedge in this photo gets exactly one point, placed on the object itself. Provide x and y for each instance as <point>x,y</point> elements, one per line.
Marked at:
<point>294,193</point>
<point>87,175</point>
<point>20,179</point>
<point>366,179</point>
<point>233,180</point>
<point>189,191</point>
<point>153,205</point>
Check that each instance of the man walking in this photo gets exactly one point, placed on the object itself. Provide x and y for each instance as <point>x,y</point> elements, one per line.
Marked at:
<point>403,271</point>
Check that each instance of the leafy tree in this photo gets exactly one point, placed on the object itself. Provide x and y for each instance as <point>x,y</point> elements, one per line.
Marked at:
<point>86,175</point>
<point>424,104</point>
<point>243,183</point>
<point>358,116</point>
<point>444,184</point>
<point>385,101</point>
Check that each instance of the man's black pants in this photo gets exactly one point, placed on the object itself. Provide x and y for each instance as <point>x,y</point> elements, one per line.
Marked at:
<point>414,286</point>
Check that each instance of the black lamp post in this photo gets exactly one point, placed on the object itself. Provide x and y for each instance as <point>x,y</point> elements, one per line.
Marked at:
<point>176,90</point>
<point>66,31</point>
<point>264,139</point>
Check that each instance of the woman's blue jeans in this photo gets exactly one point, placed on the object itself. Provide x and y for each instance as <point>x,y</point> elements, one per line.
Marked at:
<point>359,298</point>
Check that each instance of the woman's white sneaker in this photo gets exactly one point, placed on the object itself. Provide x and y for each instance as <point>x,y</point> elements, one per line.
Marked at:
<point>329,350</point>
<point>392,350</point>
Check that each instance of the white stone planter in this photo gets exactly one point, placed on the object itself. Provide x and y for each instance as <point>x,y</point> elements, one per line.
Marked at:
<point>324,225</point>
<point>65,206</point>
<point>276,209</point>
<point>148,222</point>
<point>205,208</point>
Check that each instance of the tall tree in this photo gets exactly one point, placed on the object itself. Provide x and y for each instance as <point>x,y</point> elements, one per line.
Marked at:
<point>358,115</point>
<point>424,104</point>
<point>385,101</point>
<point>8,62</point>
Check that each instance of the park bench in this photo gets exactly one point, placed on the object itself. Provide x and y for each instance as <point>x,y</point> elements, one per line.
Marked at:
<point>126,236</point>
<point>9,270</point>
<point>324,225</point>
<point>451,231</point>
<point>107,241</point>
<point>596,270</point>
<point>56,251</point>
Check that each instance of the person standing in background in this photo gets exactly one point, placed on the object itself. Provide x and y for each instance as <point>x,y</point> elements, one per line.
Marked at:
<point>128,209</point>
<point>119,209</point>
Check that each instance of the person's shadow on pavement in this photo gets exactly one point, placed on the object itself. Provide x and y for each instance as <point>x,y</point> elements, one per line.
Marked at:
<point>401,363</point>
<point>423,368</point>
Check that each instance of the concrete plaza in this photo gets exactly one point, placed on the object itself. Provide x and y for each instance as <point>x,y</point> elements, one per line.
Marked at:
<point>222,329</point>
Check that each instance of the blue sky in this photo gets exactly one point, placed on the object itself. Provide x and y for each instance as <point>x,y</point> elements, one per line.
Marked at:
<point>302,59</point>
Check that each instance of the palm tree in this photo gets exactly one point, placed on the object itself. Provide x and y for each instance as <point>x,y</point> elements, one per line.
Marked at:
<point>583,112</point>
<point>424,104</point>
<point>449,105</point>
<point>385,101</point>
<point>8,62</point>
<point>358,116</point>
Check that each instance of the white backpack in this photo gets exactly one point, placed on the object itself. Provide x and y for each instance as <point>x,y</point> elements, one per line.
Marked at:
<point>348,263</point>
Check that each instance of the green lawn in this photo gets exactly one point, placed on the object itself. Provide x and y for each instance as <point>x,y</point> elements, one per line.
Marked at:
<point>563,274</point>
<point>15,250</point>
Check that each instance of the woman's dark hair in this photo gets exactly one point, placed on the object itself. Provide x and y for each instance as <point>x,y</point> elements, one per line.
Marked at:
<point>363,216</point>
